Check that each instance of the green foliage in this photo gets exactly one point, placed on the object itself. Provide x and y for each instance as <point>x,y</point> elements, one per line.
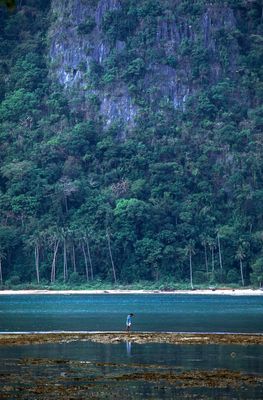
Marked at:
<point>180,183</point>
<point>13,281</point>
<point>172,61</point>
<point>150,8</point>
<point>86,27</point>
<point>232,276</point>
<point>120,23</point>
<point>27,72</point>
<point>74,278</point>
<point>191,8</point>
<point>257,275</point>
<point>95,74</point>
<point>18,105</point>
<point>135,69</point>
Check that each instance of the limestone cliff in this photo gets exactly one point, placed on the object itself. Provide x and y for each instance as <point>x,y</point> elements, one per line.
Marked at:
<point>165,54</point>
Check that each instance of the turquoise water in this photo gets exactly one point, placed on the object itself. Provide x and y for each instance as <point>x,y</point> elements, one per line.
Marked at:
<point>177,313</point>
<point>106,371</point>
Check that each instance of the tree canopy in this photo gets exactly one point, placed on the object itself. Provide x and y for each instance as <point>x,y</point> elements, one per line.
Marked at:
<point>79,202</point>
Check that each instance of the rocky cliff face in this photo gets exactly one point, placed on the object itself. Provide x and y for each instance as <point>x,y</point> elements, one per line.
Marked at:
<point>70,50</point>
<point>179,55</point>
<point>73,53</point>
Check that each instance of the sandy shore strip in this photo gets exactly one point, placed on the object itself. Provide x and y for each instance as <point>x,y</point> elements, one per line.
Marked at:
<point>11,339</point>
<point>232,292</point>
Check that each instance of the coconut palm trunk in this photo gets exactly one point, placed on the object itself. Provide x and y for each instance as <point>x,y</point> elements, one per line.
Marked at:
<point>53,267</point>
<point>90,261</point>
<point>1,275</point>
<point>241,272</point>
<point>190,250</point>
<point>191,270</point>
<point>65,260</point>
<point>74,258</point>
<point>111,258</point>
<point>220,253</point>
<point>206,260</point>
<point>86,261</point>
<point>240,255</point>
<point>37,261</point>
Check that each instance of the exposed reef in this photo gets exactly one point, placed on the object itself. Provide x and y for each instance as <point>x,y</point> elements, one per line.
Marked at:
<point>135,337</point>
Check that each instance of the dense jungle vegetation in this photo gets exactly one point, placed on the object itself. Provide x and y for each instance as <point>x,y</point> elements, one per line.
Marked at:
<point>178,201</point>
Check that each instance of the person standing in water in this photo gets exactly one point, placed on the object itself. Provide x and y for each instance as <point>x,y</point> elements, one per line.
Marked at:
<point>129,322</point>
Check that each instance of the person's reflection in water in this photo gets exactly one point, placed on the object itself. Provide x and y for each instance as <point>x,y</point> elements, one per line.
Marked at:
<point>128,348</point>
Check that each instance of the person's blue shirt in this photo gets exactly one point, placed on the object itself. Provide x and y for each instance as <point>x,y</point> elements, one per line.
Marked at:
<point>128,319</point>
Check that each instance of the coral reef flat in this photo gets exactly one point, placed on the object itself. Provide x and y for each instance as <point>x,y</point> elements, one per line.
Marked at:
<point>11,339</point>
<point>29,375</point>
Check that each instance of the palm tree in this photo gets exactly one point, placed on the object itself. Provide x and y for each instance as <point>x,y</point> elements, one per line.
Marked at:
<point>54,240</point>
<point>204,242</point>
<point>111,258</point>
<point>240,255</point>
<point>73,238</point>
<point>36,251</point>
<point>35,241</point>
<point>190,251</point>
<point>212,246</point>
<point>219,252</point>
<point>83,236</point>
<point>2,257</point>
<point>65,259</point>
<point>85,258</point>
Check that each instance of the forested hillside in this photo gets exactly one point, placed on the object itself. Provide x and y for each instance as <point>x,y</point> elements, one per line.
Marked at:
<point>131,144</point>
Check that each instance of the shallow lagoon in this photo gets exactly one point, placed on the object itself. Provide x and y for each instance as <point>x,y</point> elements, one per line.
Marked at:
<point>157,312</point>
<point>116,371</point>
<point>128,370</point>
<point>180,357</point>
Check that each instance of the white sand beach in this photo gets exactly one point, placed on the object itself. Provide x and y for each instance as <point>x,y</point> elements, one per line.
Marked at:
<point>232,292</point>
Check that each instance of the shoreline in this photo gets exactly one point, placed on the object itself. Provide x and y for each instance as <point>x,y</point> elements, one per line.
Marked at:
<point>231,292</point>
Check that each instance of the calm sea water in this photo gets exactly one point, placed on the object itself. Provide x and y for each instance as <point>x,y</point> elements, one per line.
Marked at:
<point>105,371</point>
<point>177,313</point>
<point>92,370</point>
<point>179,357</point>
